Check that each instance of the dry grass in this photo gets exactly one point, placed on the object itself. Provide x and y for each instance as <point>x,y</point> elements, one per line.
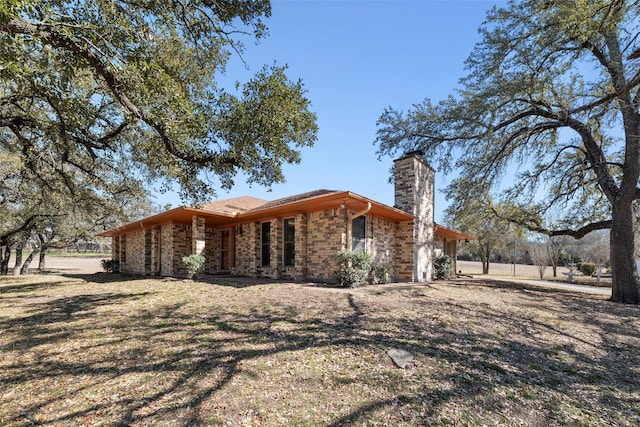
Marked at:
<point>112,350</point>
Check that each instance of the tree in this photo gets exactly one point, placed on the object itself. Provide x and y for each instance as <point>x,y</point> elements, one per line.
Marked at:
<point>478,219</point>
<point>552,97</point>
<point>46,209</point>
<point>539,253</point>
<point>556,249</point>
<point>100,87</point>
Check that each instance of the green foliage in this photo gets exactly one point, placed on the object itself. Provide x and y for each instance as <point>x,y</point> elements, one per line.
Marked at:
<point>353,268</point>
<point>381,273</point>
<point>587,268</point>
<point>194,264</point>
<point>111,265</point>
<point>104,86</point>
<point>442,267</point>
<point>552,92</point>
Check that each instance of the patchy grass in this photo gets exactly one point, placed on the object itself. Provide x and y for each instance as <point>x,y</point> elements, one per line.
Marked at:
<point>111,350</point>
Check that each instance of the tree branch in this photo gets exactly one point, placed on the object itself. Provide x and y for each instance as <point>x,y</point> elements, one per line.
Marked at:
<point>534,226</point>
<point>55,39</point>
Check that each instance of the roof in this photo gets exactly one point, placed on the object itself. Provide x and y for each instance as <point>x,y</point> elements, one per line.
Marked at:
<point>234,205</point>
<point>246,209</point>
<point>452,234</point>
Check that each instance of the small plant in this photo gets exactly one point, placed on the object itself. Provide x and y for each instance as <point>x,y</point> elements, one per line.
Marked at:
<point>354,267</point>
<point>111,265</point>
<point>587,268</point>
<point>381,273</point>
<point>193,264</point>
<point>442,267</point>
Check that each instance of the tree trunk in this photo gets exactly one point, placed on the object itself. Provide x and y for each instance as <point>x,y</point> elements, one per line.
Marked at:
<point>4,263</point>
<point>624,273</point>
<point>18,264</point>
<point>42,264</point>
<point>27,262</point>
<point>485,262</point>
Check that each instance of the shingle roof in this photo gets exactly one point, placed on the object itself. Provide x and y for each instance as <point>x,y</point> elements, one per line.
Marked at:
<point>234,205</point>
<point>295,198</point>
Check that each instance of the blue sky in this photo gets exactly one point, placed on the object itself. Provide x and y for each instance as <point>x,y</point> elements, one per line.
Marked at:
<point>357,57</point>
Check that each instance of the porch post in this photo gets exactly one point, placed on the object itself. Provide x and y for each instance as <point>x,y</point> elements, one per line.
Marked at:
<point>198,236</point>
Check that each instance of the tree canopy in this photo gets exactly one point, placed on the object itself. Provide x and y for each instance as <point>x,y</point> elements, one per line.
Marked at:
<point>551,99</point>
<point>126,92</point>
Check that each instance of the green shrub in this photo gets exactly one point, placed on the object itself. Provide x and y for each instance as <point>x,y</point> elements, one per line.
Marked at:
<point>381,273</point>
<point>442,267</point>
<point>587,268</point>
<point>193,264</point>
<point>353,268</point>
<point>111,265</point>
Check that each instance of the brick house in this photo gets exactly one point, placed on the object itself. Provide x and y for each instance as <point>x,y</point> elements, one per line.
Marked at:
<point>296,237</point>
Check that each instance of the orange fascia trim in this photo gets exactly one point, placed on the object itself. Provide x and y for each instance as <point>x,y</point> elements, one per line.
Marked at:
<point>333,200</point>
<point>452,234</point>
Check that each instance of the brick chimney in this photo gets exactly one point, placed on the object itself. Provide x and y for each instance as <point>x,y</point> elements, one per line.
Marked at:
<point>414,193</point>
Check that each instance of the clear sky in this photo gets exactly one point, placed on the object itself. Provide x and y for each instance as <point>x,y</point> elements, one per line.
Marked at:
<point>357,57</point>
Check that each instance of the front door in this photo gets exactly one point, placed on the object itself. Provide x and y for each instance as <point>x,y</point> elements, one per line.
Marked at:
<point>225,250</point>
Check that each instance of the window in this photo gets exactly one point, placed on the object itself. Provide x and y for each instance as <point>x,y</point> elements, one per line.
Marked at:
<point>289,237</point>
<point>358,234</point>
<point>266,244</point>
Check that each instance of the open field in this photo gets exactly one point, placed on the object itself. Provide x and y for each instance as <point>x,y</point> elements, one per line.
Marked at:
<point>89,265</point>
<point>496,269</point>
<point>113,350</point>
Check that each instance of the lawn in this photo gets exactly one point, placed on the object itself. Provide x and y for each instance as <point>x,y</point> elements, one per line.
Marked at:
<point>114,350</point>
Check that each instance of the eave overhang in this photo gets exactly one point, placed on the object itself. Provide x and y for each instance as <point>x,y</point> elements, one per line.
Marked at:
<point>326,201</point>
<point>451,234</point>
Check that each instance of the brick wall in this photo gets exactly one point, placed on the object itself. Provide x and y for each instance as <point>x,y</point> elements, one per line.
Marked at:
<point>134,253</point>
<point>381,239</point>
<point>403,252</point>
<point>181,246</point>
<point>325,231</point>
<point>247,250</point>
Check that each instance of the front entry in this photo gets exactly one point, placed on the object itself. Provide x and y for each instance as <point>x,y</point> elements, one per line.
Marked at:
<point>225,250</point>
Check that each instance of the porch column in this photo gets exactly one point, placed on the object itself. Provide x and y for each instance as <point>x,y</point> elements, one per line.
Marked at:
<point>198,235</point>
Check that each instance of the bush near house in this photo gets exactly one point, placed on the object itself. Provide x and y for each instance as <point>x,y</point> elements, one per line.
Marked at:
<point>442,267</point>
<point>381,273</point>
<point>353,268</point>
<point>110,265</point>
<point>193,264</point>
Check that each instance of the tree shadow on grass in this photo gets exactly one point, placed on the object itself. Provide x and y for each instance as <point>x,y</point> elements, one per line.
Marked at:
<point>29,286</point>
<point>160,358</point>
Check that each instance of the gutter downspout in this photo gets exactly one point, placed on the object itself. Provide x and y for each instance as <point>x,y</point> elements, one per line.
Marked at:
<point>350,218</point>
<point>362,212</point>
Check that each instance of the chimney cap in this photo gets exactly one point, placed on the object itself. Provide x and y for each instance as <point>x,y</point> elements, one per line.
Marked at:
<point>418,153</point>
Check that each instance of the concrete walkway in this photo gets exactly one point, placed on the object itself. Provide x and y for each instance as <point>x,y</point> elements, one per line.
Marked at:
<point>596,290</point>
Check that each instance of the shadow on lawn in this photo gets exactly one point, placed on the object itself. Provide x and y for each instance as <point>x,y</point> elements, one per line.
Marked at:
<point>29,287</point>
<point>190,353</point>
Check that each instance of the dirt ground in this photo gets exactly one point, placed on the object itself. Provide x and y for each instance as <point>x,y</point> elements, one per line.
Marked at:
<point>109,349</point>
<point>71,264</point>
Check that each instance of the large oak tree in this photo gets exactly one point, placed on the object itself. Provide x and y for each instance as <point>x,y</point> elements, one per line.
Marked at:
<point>119,91</point>
<point>552,99</point>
